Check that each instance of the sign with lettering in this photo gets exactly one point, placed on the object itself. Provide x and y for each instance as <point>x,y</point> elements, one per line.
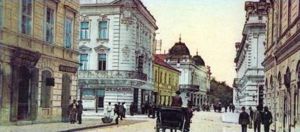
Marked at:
<point>70,69</point>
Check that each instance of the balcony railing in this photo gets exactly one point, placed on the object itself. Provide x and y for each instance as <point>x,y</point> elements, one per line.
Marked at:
<point>189,87</point>
<point>114,74</point>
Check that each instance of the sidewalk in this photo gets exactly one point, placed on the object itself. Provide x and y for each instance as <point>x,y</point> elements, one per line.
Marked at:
<point>230,117</point>
<point>99,115</point>
<point>54,127</point>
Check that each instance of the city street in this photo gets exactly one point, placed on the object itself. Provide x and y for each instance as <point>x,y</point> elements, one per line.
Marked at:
<point>202,122</point>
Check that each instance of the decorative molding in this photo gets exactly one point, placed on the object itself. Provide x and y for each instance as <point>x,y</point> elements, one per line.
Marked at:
<point>101,49</point>
<point>84,48</point>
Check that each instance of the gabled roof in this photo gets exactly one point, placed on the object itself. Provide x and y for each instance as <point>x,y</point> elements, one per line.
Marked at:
<point>161,56</point>
<point>159,61</point>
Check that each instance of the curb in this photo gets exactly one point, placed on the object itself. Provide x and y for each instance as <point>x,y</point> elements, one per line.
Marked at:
<point>90,127</point>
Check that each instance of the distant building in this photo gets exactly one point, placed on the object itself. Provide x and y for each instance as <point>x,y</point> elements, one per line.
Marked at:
<point>166,81</point>
<point>38,60</point>
<point>116,40</point>
<point>282,65</point>
<point>249,57</point>
<point>194,78</point>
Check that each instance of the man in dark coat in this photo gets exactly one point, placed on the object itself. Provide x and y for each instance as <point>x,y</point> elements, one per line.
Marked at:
<point>72,112</point>
<point>267,119</point>
<point>176,100</point>
<point>244,120</point>
<point>257,119</point>
<point>79,111</point>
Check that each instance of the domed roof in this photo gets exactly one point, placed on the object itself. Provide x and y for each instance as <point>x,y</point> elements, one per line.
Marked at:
<point>179,49</point>
<point>198,60</point>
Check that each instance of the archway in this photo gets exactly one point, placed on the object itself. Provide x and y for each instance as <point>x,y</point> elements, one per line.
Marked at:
<point>65,96</point>
<point>287,101</point>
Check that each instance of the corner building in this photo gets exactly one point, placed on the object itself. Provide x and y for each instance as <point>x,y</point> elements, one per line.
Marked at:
<point>38,60</point>
<point>282,64</point>
<point>116,40</point>
<point>249,56</point>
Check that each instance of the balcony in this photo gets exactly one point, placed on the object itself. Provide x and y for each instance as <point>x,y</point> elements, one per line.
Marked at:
<point>116,74</point>
<point>113,79</point>
<point>188,87</point>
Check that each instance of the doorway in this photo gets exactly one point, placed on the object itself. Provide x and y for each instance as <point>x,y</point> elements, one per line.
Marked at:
<point>65,96</point>
<point>23,93</point>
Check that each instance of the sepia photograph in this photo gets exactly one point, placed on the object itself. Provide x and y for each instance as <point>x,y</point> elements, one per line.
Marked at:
<point>149,65</point>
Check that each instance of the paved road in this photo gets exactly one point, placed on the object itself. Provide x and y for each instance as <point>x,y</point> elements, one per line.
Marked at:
<point>202,122</point>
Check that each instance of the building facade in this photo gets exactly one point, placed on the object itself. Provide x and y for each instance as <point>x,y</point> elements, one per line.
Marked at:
<point>249,56</point>
<point>194,79</point>
<point>282,64</point>
<point>166,81</point>
<point>116,40</point>
<point>38,66</point>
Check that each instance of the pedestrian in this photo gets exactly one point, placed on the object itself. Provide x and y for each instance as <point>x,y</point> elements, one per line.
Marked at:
<point>124,109</point>
<point>150,110</point>
<point>143,108</point>
<point>226,107</point>
<point>131,109</point>
<point>233,108</point>
<point>79,111</point>
<point>244,119</point>
<point>72,112</point>
<point>176,100</point>
<point>121,111</point>
<point>251,117</point>
<point>257,119</point>
<point>230,107</point>
<point>267,119</point>
<point>116,111</point>
<point>109,110</point>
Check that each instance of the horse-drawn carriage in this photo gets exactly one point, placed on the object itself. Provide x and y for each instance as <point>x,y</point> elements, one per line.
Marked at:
<point>173,118</point>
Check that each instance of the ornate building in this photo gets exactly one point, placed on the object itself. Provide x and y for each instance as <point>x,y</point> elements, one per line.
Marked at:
<point>194,80</point>
<point>166,81</point>
<point>38,60</point>
<point>249,56</point>
<point>116,40</point>
<point>282,64</point>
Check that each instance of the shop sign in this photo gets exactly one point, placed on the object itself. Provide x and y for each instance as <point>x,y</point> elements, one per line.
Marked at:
<point>70,69</point>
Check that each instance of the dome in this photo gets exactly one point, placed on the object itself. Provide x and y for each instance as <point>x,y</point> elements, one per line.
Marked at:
<point>179,49</point>
<point>198,60</point>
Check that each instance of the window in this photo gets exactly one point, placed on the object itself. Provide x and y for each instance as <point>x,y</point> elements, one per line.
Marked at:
<point>1,13</point>
<point>49,25</point>
<point>83,61</point>
<point>102,62</point>
<point>165,78</point>
<point>103,30</point>
<point>45,90</point>
<point>84,30</point>
<point>68,32</point>
<point>26,16</point>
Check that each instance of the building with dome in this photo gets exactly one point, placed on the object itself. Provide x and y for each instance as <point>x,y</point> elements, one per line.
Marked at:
<point>194,77</point>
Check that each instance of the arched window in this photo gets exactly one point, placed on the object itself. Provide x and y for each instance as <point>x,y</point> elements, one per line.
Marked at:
<point>266,83</point>
<point>279,80</point>
<point>271,82</point>
<point>45,89</point>
<point>287,79</point>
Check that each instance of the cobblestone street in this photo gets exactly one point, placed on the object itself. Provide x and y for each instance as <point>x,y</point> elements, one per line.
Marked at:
<point>202,122</point>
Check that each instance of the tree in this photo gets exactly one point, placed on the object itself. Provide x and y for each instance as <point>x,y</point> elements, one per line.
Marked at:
<point>220,91</point>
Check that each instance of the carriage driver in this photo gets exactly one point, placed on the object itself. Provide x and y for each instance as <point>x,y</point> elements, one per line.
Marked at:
<point>176,100</point>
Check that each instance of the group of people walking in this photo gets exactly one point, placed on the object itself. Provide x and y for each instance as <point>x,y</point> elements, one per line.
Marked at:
<point>255,119</point>
<point>75,112</point>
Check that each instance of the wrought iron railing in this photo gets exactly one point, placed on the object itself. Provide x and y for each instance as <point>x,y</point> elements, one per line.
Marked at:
<point>189,87</point>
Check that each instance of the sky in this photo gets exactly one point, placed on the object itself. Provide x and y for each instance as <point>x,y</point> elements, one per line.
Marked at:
<point>210,26</point>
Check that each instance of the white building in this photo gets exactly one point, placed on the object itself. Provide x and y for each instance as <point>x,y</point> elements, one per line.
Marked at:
<point>249,58</point>
<point>194,81</point>
<point>116,40</point>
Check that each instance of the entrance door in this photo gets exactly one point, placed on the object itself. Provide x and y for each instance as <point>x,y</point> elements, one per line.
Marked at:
<point>65,97</point>
<point>23,94</point>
